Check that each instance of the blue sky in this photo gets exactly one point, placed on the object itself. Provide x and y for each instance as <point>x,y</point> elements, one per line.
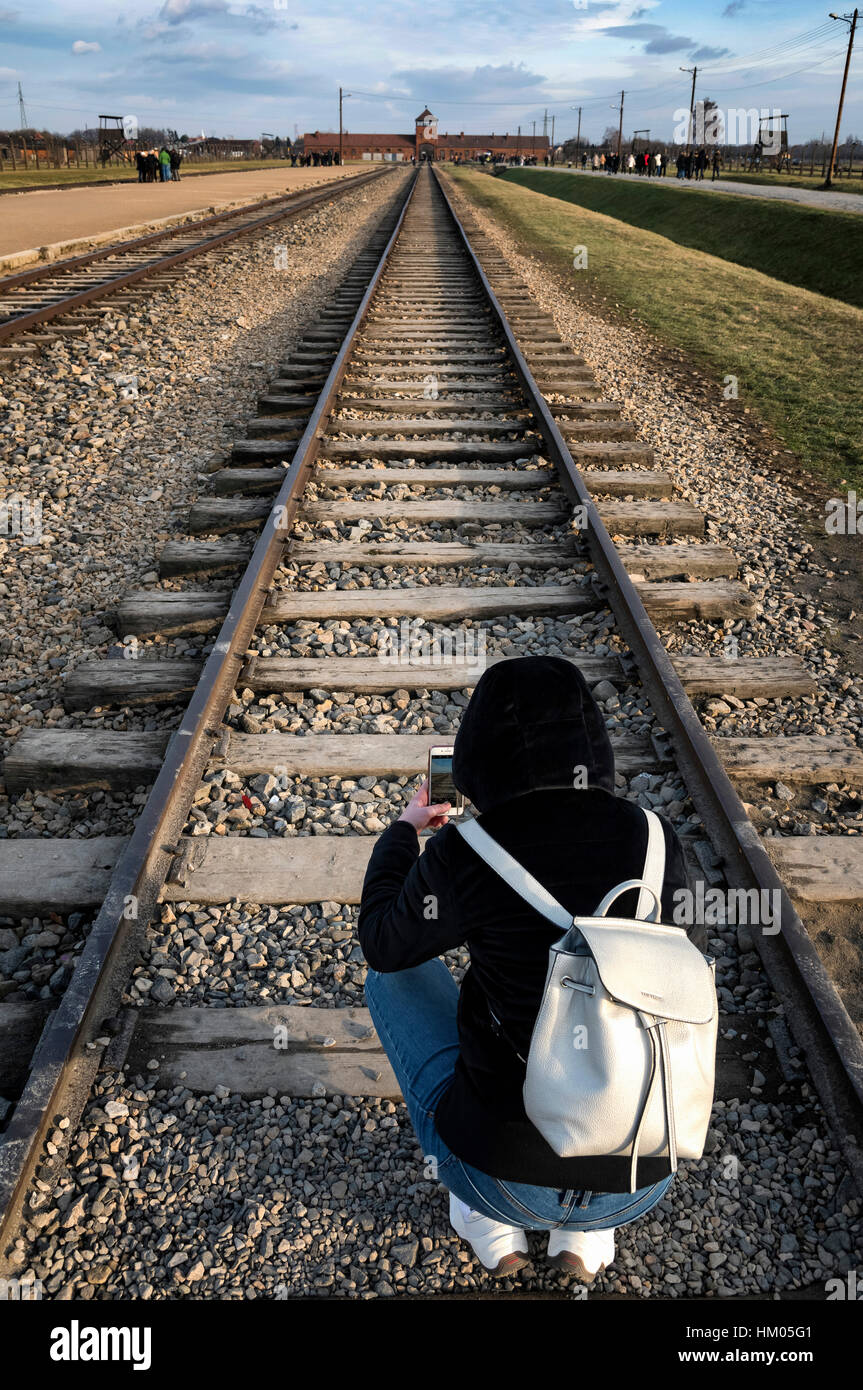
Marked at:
<point>241,68</point>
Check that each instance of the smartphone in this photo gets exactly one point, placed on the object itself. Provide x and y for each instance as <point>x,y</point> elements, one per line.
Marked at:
<point>441,785</point>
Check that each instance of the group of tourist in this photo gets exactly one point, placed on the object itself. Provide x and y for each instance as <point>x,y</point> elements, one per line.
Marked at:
<point>158,166</point>
<point>315,159</point>
<point>653,163</point>
<point>690,164</point>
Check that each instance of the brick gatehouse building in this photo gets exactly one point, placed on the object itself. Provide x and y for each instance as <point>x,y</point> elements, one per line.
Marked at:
<point>426,142</point>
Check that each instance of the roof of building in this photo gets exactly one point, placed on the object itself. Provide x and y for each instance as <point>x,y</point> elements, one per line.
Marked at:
<point>510,142</point>
<point>329,139</point>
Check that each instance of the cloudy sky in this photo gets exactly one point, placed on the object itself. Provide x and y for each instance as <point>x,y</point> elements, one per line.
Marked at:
<point>234,68</point>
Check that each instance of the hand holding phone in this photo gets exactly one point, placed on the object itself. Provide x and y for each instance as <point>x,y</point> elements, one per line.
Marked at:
<point>441,785</point>
<point>423,815</point>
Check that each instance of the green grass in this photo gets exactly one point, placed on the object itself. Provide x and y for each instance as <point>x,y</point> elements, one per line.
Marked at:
<point>814,248</point>
<point>796,354</point>
<point>840,185</point>
<point>37,178</point>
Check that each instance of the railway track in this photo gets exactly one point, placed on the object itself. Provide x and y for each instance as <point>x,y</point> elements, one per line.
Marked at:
<point>61,293</point>
<point>429,455</point>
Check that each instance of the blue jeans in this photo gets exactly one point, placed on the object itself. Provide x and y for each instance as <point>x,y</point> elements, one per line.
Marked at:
<point>414,1012</point>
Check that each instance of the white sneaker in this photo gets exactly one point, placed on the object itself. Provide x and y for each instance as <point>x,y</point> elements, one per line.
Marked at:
<point>582,1253</point>
<point>501,1249</point>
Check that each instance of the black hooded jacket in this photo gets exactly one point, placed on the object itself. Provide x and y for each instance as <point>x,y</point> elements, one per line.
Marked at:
<point>533,756</point>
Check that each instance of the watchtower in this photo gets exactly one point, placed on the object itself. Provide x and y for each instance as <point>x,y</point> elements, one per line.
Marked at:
<point>112,138</point>
<point>426,135</point>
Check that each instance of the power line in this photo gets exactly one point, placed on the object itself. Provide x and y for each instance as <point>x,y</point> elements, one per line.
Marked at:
<point>813,38</point>
<point>797,40</point>
<point>775,59</point>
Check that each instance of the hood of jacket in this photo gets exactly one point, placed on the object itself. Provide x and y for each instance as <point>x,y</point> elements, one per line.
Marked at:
<point>530,724</point>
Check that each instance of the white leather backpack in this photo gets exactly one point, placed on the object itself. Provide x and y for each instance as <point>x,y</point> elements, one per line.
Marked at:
<point>623,1051</point>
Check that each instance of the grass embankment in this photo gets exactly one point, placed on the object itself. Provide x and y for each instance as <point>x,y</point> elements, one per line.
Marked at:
<point>842,184</point>
<point>796,354</point>
<point>811,247</point>
<point>24,179</point>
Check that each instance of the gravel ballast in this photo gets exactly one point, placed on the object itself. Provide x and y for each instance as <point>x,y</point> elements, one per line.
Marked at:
<point>112,434</point>
<point>171,1194</point>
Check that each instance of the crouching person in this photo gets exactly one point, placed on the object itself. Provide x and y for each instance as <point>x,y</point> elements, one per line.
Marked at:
<point>533,757</point>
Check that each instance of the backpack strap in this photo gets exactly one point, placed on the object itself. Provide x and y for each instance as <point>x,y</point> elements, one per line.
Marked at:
<point>514,874</point>
<point>653,873</point>
<point>529,888</point>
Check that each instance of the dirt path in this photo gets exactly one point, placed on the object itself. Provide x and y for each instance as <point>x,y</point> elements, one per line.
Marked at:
<point>834,200</point>
<point>63,214</point>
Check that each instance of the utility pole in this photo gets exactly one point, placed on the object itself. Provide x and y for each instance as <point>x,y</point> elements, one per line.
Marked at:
<point>25,124</point>
<point>694,72</point>
<point>846,19</point>
<point>341,96</point>
<point>620,127</point>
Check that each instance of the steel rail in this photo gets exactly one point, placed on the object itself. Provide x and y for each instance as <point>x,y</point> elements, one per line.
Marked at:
<point>63,1065</point>
<point>817,1017</point>
<point>279,211</point>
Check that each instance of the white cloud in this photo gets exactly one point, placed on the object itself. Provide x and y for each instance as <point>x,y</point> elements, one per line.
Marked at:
<point>79,46</point>
<point>175,11</point>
